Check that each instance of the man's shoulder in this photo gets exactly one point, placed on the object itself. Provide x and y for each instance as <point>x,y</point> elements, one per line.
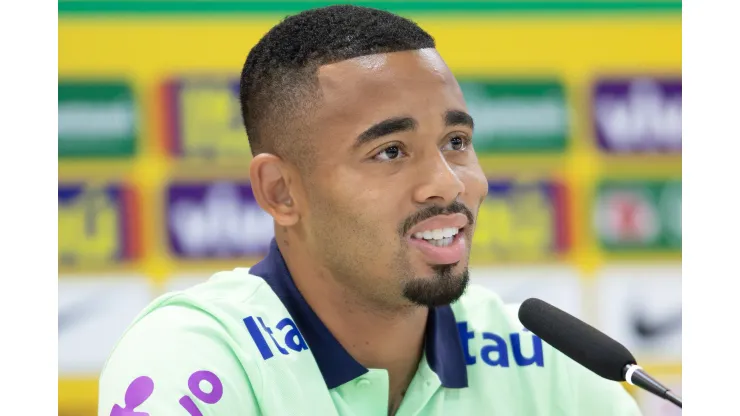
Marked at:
<point>222,301</point>
<point>233,286</point>
<point>211,312</point>
<point>234,292</point>
<point>188,335</point>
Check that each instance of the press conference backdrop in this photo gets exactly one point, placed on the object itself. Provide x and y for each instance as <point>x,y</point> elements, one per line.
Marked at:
<point>578,127</point>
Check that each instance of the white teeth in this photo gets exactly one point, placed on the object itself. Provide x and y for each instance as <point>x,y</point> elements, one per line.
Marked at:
<point>449,232</point>
<point>438,234</point>
<point>443,242</point>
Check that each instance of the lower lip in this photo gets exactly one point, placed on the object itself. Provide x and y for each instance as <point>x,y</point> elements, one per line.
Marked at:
<point>450,254</point>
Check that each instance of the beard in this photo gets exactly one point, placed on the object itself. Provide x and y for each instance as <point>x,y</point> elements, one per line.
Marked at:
<point>444,288</point>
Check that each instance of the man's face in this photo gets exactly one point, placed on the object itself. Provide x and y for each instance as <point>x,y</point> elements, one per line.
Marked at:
<point>395,188</point>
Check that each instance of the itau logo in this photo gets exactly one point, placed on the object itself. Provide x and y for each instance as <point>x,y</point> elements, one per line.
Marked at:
<point>217,220</point>
<point>638,115</point>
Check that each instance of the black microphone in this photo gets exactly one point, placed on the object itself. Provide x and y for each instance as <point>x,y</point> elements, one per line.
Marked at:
<point>589,347</point>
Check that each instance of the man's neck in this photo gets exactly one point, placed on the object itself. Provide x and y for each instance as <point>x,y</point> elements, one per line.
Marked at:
<point>378,338</point>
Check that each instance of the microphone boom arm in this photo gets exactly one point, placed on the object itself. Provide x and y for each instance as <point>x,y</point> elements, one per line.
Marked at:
<point>635,375</point>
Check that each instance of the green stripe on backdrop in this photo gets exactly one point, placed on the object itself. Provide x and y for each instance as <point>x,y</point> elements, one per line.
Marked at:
<point>82,7</point>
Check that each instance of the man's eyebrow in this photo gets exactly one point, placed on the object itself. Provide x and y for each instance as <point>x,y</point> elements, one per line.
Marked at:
<point>458,118</point>
<point>385,128</point>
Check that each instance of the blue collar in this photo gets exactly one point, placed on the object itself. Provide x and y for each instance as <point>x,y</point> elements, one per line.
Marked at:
<point>442,340</point>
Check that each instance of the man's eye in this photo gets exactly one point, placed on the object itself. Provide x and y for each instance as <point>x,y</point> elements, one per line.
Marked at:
<point>389,153</point>
<point>456,143</point>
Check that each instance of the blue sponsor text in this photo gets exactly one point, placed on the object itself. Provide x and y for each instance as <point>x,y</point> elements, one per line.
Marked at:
<point>494,350</point>
<point>285,337</point>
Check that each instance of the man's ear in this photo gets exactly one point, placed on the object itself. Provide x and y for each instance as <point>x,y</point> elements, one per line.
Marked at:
<point>271,178</point>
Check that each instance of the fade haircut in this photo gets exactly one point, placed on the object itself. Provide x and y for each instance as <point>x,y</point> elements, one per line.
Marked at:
<point>279,81</point>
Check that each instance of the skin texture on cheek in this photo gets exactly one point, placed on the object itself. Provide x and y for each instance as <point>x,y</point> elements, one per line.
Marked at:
<point>352,239</point>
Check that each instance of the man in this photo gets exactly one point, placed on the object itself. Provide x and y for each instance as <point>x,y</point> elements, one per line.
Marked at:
<point>364,159</point>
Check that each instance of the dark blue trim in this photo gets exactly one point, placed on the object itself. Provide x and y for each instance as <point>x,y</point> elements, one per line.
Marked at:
<point>443,346</point>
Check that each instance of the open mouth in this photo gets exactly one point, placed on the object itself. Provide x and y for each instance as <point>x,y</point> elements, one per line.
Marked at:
<point>440,237</point>
<point>441,245</point>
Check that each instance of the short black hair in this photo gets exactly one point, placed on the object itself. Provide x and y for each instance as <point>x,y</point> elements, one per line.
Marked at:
<point>279,76</point>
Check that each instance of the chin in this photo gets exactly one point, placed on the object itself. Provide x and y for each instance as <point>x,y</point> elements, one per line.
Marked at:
<point>442,289</point>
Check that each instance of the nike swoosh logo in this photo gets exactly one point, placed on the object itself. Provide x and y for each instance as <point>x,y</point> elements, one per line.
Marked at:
<point>651,329</point>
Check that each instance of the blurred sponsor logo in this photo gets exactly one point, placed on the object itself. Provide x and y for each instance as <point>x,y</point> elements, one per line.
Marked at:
<point>640,306</point>
<point>521,221</point>
<point>216,220</point>
<point>638,114</point>
<point>205,121</point>
<point>517,116</point>
<point>94,312</point>
<point>97,224</point>
<point>96,119</point>
<point>644,215</point>
<point>558,285</point>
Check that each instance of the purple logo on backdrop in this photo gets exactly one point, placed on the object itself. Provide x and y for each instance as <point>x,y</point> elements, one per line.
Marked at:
<point>638,115</point>
<point>216,220</point>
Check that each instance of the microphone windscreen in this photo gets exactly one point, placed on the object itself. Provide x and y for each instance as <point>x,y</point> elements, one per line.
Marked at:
<point>576,339</point>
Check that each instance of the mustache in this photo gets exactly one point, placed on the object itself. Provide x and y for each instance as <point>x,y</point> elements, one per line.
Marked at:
<point>455,207</point>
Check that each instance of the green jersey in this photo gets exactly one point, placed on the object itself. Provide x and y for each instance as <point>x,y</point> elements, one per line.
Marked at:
<point>246,343</point>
